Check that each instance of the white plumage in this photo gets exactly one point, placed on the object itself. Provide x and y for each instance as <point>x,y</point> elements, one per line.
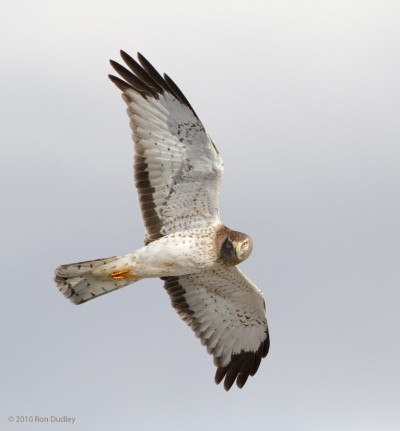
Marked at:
<point>178,172</point>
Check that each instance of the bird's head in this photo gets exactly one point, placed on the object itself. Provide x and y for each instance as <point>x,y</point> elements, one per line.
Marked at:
<point>236,248</point>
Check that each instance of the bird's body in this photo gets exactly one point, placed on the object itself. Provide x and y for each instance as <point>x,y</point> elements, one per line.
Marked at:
<point>177,174</point>
<point>179,253</point>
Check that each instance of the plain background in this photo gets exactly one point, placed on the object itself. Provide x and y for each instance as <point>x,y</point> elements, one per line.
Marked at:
<point>302,99</point>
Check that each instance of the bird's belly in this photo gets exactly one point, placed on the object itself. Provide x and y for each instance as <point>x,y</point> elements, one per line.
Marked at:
<point>175,254</point>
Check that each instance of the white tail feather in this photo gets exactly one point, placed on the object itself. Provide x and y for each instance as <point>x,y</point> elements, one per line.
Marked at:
<point>83,281</point>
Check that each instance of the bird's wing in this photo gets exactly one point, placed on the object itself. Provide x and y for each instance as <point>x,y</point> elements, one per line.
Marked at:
<point>227,312</point>
<point>177,167</point>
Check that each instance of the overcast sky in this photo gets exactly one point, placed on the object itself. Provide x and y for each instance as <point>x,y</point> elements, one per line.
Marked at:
<point>302,98</point>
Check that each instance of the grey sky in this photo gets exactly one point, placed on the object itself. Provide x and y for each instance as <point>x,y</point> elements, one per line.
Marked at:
<point>303,101</point>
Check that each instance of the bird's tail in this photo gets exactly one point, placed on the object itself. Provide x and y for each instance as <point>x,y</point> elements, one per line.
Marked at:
<point>83,281</point>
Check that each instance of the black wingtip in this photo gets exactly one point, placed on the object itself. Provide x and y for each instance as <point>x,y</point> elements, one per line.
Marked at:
<point>143,60</point>
<point>241,380</point>
<point>241,366</point>
<point>145,79</point>
<point>115,66</point>
<point>122,85</point>
<point>220,374</point>
<point>127,58</point>
<point>266,345</point>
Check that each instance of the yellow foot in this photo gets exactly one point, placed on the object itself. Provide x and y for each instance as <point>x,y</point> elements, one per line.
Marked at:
<point>121,275</point>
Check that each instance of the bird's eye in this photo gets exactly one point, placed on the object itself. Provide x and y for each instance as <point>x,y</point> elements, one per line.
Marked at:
<point>245,244</point>
<point>228,244</point>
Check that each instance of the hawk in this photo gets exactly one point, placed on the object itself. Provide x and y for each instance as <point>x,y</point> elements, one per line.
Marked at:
<point>177,174</point>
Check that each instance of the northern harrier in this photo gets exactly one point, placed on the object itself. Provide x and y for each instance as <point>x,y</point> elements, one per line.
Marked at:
<point>178,172</point>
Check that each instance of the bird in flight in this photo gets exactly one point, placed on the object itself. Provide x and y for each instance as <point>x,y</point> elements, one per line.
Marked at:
<point>177,173</point>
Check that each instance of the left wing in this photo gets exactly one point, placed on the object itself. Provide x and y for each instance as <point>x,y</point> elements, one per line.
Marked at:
<point>177,167</point>
<point>227,312</point>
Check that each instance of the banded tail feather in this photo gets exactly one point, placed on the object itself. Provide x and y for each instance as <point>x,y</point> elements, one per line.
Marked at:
<point>83,281</point>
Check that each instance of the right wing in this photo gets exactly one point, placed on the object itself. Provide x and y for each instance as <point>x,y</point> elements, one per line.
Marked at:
<point>177,167</point>
<point>227,312</point>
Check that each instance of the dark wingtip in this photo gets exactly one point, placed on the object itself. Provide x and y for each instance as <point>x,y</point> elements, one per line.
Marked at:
<point>220,374</point>
<point>241,380</point>
<point>145,79</point>
<point>266,345</point>
<point>127,58</point>
<point>241,366</point>
<point>122,85</point>
<point>143,60</point>
<point>117,67</point>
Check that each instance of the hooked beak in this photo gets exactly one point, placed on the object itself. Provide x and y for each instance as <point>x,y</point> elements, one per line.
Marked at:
<point>237,248</point>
